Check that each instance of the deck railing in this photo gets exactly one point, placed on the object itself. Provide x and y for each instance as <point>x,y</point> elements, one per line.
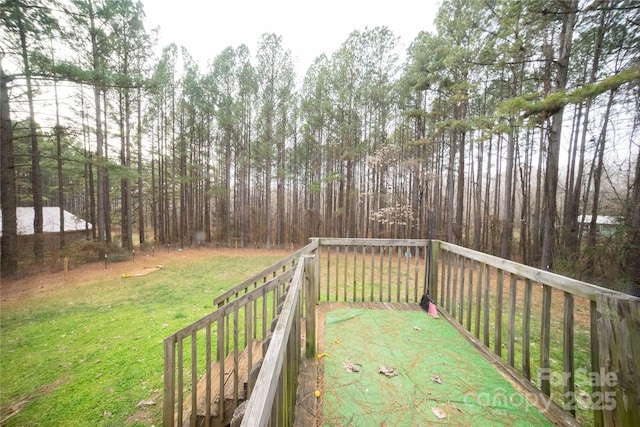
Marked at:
<point>552,330</point>
<point>211,365</point>
<point>552,334</point>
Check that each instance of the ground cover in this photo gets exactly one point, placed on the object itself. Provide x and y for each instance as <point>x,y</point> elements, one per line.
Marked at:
<point>87,350</point>
<point>404,368</point>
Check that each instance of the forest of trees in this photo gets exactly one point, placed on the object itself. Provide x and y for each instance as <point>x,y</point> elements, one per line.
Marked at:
<point>513,121</point>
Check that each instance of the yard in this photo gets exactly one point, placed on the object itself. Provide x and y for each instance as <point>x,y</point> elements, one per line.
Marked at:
<point>87,350</point>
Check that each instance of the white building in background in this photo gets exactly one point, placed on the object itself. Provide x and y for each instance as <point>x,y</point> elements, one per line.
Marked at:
<point>605,225</point>
<point>51,221</point>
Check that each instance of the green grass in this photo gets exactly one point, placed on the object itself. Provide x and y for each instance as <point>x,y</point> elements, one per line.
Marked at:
<point>87,355</point>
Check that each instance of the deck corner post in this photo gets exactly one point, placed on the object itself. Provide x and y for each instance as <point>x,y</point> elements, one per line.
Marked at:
<point>169,382</point>
<point>434,248</point>
<point>618,322</point>
<point>311,293</point>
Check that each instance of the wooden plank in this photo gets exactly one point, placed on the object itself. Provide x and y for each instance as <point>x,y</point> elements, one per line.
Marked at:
<point>595,361</point>
<point>511,348</point>
<point>497,337</point>
<point>169,393</point>
<point>209,413</point>
<point>478,300</point>
<point>618,323</point>
<point>334,241</point>
<point>258,409</point>
<point>526,330</point>
<point>568,359</point>
<point>545,340</point>
<point>487,287</point>
<point>563,283</point>
<point>272,269</point>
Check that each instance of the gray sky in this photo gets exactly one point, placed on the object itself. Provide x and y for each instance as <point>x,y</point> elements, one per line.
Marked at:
<point>308,29</point>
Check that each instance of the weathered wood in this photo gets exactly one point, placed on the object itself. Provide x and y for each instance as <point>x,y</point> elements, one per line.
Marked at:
<point>545,340</point>
<point>618,324</point>
<point>552,411</point>
<point>258,410</point>
<point>526,330</point>
<point>511,347</point>
<point>568,359</point>
<point>598,420</point>
<point>563,283</point>
<point>310,306</point>
<point>168,400</point>
<point>487,305</point>
<point>224,297</point>
<point>478,300</point>
<point>334,241</point>
<point>497,336</point>
<point>234,379</point>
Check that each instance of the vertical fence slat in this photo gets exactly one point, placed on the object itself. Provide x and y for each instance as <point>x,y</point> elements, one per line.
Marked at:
<point>364,255</point>
<point>545,340</point>
<point>221,355</point>
<point>568,362</point>
<point>470,296</point>
<point>497,337</point>
<point>180,382</point>
<point>526,330</point>
<point>479,290</point>
<point>207,391</point>
<point>598,416</point>
<point>169,395</point>
<point>194,375</point>
<point>511,350</point>
<point>487,285</point>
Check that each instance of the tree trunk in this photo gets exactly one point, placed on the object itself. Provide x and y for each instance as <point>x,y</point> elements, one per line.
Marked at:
<point>553,152</point>
<point>8,199</point>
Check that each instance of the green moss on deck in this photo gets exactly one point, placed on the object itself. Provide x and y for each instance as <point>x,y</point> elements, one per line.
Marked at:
<point>419,348</point>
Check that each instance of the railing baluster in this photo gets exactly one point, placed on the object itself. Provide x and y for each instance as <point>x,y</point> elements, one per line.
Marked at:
<point>526,330</point>
<point>478,300</point>
<point>389,257</point>
<point>372,271</point>
<point>194,376</point>
<point>398,268</point>
<point>207,393</point>
<point>569,370</point>
<point>545,339</point>
<point>487,303</point>
<point>454,285</point>
<point>364,255</point>
<point>512,319</point>
<point>497,338</point>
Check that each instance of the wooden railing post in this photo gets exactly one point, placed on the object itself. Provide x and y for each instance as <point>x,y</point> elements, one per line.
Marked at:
<point>311,300</point>
<point>434,248</point>
<point>618,323</point>
<point>169,382</point>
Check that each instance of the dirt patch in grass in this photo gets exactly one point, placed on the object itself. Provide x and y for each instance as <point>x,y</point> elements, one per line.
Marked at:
<point>12,408</point>
<point>19,289</point>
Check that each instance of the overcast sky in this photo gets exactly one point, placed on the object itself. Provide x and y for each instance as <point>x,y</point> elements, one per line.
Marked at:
<point>308,29</point>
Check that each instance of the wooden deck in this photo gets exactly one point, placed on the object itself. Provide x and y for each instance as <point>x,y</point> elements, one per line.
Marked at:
<point>308,406</point>
<point>229,393</point>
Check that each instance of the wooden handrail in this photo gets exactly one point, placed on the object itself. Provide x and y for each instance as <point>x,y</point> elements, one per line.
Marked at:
<point>224,297</point>
<point>258,411</point>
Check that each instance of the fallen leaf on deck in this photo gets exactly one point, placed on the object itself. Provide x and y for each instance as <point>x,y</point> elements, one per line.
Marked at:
<point>387,371</point>
<point>439,413</point>
<point>351,367</point>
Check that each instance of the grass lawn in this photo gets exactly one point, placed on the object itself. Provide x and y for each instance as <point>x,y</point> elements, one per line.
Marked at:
<point>91,353</point>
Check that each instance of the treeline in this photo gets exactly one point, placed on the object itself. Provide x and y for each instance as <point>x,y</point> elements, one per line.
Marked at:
<point>512,122</point>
